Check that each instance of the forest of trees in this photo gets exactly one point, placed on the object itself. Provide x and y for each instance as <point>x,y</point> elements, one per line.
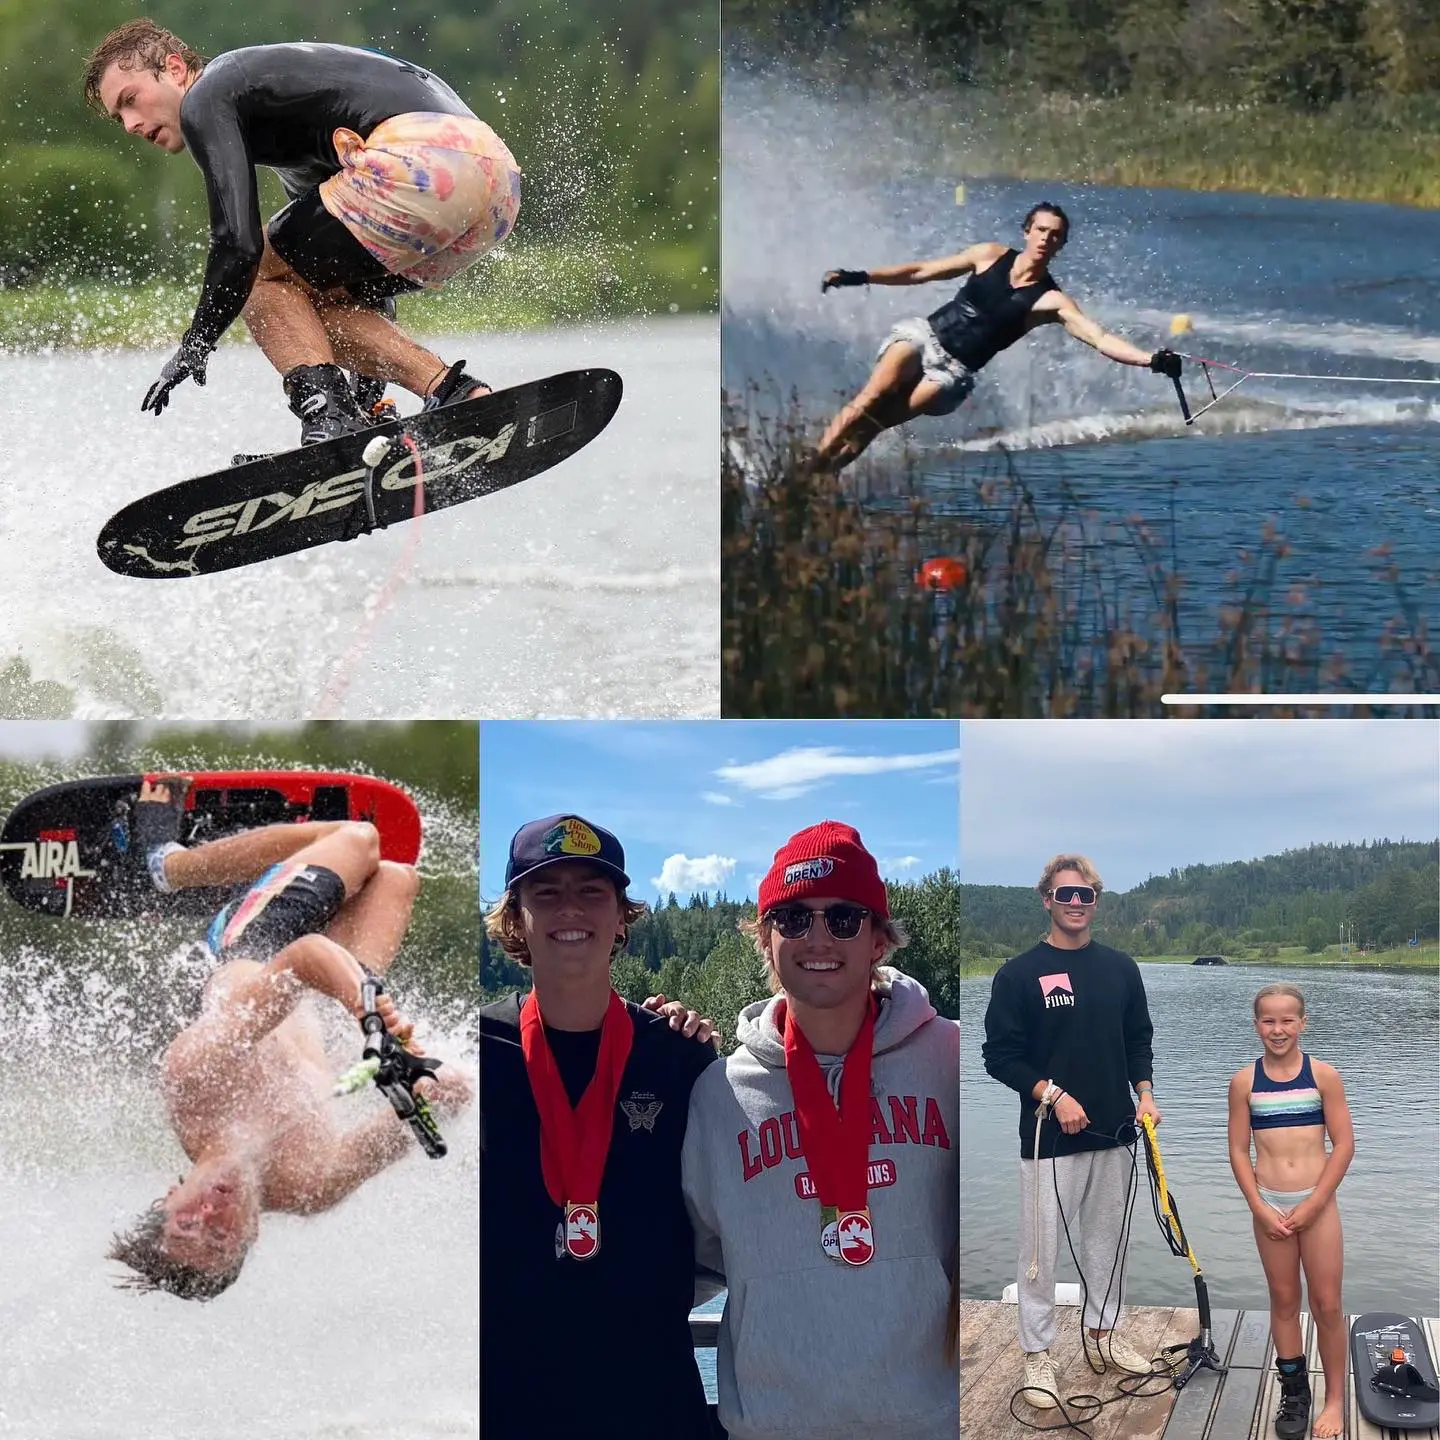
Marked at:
<point>1388,890</point>
<point>611,109</point>
<point>1306,55</point>
<point>693,950</point>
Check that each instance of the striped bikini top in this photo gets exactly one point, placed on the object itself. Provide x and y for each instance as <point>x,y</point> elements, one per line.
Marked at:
<point>1274,1103</point>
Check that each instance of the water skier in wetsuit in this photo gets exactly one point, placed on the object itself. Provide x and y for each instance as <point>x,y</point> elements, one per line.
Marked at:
<point>394,186</point>
<point>247,1085</point>
<point>928,366</point>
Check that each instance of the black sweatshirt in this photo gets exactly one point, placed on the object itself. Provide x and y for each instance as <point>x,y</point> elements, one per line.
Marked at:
<point>279,105</point>
<point>572,1348</point>
<point>1079,1018</point>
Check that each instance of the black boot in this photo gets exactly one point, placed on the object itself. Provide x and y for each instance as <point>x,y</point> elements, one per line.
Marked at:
<point>455,387</point>
<point>321,396</point>
<point>1292,1421</point>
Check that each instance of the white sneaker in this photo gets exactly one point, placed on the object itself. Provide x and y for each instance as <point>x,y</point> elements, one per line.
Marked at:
<point>1114,1354</point>
<point>1041,1389</point>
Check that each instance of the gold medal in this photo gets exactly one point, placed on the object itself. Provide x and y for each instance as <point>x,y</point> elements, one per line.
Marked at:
<point>582,1231</point>
<point>829,1233</point>
<point>855,1237</point>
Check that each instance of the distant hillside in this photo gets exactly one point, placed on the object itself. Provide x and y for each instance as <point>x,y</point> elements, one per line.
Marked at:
<point>1386,889</point>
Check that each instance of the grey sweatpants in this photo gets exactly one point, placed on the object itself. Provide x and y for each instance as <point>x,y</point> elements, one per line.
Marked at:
<point>1093,1187</point>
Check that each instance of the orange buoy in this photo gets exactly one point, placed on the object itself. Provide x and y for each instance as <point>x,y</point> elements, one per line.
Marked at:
<point>942,572</point>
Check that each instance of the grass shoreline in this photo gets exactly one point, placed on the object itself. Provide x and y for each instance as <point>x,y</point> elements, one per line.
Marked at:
<point>528,288</point>
<point>1421,957</point>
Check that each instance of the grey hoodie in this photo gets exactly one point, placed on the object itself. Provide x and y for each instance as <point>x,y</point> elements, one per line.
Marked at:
<point>812,1348</point>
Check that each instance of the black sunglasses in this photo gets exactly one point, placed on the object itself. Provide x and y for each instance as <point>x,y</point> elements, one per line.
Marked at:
<point>1069,894</point>
<point>842,921</point>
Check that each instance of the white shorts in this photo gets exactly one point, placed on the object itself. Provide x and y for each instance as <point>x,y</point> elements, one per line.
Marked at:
<point>937,364</point>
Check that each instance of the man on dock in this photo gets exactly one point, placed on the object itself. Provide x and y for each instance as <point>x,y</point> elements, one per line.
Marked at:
<point>1068,1027</point>
<point>822,1173</point>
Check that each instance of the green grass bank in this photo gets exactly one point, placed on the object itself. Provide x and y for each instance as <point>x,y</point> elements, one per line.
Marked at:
<point>525,288</point>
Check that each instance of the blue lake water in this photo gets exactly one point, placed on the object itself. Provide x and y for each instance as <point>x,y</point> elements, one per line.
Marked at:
<point>1344,470</point>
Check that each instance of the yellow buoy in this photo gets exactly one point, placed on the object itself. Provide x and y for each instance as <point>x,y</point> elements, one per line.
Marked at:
<point>1181,325</point>
<point>959,194</point>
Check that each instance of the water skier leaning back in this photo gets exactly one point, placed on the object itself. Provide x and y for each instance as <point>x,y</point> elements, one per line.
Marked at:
<point>394,186</point>
<point>928,366</point>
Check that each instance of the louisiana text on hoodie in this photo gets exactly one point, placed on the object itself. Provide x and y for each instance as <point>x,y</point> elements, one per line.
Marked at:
<point>811,1347</point>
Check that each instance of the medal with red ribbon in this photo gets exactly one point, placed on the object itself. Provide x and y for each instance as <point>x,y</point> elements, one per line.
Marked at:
<point>575,1140</point>
<point>836,1141</point>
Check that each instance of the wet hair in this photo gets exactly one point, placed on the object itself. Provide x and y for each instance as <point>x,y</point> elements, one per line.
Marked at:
<point>1279,988</point>
<point>1049,209</point>
<point>135,45</point>
<point>141,1249</point>
<point>504,925</point>
<point>1068,862</point>
<point>759,930</point>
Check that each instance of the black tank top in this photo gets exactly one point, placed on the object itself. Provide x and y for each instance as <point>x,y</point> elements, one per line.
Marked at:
<point>987,314</point>
<point>279,105</point>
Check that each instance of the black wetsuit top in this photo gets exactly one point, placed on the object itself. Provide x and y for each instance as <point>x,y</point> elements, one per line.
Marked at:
<point>279,105</point>
<point>986,314</point>
<point>1079,1018</point>
<point>576,1348</point>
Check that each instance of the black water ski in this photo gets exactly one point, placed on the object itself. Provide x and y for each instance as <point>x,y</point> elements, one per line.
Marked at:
<point>66,850</point>
<point>311,496</point>
<point>1399,1394</point>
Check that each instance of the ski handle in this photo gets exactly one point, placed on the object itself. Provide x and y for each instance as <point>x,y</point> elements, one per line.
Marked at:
<point>396,1070</point>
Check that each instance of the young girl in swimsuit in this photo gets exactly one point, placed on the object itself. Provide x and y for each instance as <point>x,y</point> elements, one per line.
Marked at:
<point>1289,1103</point>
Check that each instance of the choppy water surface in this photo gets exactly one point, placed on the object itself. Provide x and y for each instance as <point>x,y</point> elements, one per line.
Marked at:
<point>529,602</point>
<point>361,1323</point>
<point>1379,1030</point>
<point>1346,472</point>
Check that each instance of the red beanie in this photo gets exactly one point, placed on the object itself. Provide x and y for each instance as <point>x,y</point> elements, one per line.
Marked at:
<point>827,859</point>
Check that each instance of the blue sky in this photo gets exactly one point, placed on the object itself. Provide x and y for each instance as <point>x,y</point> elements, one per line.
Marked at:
<point>704,805</point>
<point>1141,797</point>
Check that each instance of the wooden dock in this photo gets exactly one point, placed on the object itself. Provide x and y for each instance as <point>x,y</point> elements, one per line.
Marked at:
<point>1239,1405</point>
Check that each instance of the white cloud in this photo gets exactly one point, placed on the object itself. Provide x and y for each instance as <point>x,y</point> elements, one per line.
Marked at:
<point>714,797</point>
<point>899,865</point>
<point>685,874</point>
<point>797,771</point>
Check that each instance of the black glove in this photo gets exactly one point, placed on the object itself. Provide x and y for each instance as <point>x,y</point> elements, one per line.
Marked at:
<point>157,822</point>
<point>188,362</point>
<point>836,278</point>
<point>1166,362</point>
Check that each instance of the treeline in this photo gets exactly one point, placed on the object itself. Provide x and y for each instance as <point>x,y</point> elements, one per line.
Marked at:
<point>612,111</point>
<point>1387,890</point>
<point>436,761</point>
<point>694,951</point>
<point>1307,55</point>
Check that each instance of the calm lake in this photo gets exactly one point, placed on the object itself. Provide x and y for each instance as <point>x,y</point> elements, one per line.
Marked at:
<point>1379,1030</point>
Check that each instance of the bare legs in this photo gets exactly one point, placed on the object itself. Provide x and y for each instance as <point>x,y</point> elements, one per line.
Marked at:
<point>895,392</point>
<point>295,324</point>
<point>1320,1250</point>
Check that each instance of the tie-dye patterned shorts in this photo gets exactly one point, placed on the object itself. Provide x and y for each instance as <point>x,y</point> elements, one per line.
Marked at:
<point>427,195</point>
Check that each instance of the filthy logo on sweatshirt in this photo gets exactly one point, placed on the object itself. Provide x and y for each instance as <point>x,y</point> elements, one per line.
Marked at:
<point>1057,991</point>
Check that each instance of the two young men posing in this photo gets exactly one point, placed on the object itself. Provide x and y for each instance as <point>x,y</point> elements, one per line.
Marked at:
<point>814,1173</point>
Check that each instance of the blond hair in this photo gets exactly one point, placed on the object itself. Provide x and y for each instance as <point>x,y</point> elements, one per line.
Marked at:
<point>136,45</point>
<point>1069,862</point>
<point>1279,988</point>
<point>504,925</point>
<point>759,931</point>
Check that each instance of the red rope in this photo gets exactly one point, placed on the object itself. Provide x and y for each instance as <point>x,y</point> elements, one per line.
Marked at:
<point>340,679</point>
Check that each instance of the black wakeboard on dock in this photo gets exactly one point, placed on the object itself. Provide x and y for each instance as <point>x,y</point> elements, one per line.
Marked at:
<point>1395,1384</point>
<point>343,488</point>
